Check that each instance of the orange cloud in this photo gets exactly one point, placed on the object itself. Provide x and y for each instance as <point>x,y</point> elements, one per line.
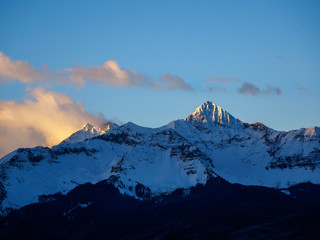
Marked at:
<point>17,70</point>
<point>45,119</point>
<point>109,73</point>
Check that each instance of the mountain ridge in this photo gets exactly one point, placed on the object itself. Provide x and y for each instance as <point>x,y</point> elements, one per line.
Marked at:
<point>181,154</point>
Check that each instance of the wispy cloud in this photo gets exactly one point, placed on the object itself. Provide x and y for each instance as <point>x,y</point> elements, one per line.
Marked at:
<point>172,82</point>
<point>251,89</point>
<point>109,73</point>
<point>216,89</point>
<point>18,70</point>
<point>302,89</point>
<point>271,90</point>
<point>44,118</point>
<point>221,79</point>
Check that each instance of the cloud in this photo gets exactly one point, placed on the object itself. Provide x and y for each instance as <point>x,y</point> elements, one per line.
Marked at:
<point>109,73</point>
<point>17,70</point>
<point>251,89</point>
<point>221,79</point>
<point>272,91</point>
<point>172,82</point>
<point>302,89</point>
<point>44,118</point>
<point>279,56</point>
<point>216,89</point>
<point>60,76</point>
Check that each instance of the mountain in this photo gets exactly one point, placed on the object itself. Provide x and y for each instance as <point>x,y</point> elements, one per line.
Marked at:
<point>210,113</point>
<point>216,210</point>
<point>88,131</point>
<point>149,162</point>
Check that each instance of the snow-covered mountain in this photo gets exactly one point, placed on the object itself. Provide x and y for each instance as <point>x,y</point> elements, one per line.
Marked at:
<point>145,162</point>
<point>88,131</point>
<point>212,114</point>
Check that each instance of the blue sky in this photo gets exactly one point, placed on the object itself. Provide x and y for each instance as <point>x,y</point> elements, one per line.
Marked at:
<point>262,58</point>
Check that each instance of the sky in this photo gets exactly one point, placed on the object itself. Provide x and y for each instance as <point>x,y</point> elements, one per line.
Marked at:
<point>65,63</point>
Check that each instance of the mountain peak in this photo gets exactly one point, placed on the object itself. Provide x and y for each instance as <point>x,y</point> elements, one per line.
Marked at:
<point>87,127</point>
<point>210,112</point>
<point>86,132</point>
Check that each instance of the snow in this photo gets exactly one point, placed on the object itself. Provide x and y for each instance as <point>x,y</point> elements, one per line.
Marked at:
<point>7,157</point>
<point>88,131</point>
<point>80,205</point>
<point>181,154</point>
<point>286,192</point>
<point>210,112</point>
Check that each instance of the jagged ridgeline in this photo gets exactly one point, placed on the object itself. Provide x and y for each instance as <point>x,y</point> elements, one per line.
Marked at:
<point>148,162</point>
